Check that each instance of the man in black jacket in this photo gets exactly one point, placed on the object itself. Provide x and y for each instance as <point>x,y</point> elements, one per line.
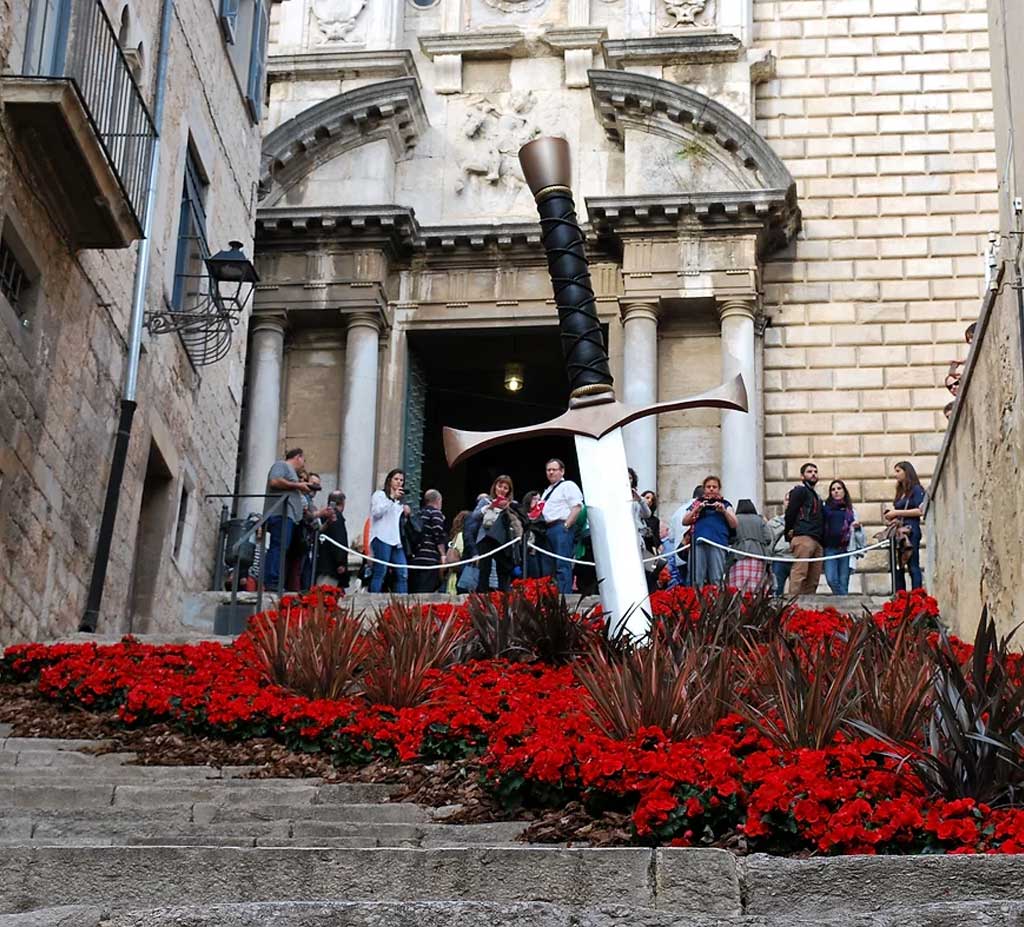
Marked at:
<point>805,528</point>
<point>332,562</point>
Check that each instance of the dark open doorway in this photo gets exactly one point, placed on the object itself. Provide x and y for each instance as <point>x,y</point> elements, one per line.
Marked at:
<point>154,514</point>
<point>463,374</point>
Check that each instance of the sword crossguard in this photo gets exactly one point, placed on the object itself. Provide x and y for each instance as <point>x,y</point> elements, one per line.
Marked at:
<point>592,420</point>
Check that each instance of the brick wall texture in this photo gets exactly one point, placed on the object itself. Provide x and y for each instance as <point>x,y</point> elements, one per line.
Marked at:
<point>882,110</point>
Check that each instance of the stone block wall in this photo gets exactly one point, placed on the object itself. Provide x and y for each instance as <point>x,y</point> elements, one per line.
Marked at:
<point>976,518</point>
<point>882,111</point>
<point>61,373</point>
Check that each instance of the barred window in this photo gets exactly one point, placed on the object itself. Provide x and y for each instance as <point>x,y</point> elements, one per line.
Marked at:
<point>14,280</point>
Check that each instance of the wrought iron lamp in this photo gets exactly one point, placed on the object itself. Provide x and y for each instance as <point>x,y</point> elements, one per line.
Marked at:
<point>212,306</point>
<point>230,270</point>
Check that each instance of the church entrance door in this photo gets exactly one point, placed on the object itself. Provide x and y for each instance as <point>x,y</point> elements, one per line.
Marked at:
<point>461,377</point>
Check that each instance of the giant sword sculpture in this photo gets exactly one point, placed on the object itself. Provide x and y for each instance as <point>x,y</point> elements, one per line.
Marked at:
<point>594,418</point>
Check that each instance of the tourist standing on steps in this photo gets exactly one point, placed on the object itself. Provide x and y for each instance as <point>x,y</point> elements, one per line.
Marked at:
<point>386,510</point>
<point>498,526</point>
<point>908,510</point>
<point>431,545</point>
<point>840,529</point>
<point>752,537</point>
<point>562,502</point>
<point>782,567</point>
<point>805,529</point>
<point>283,479</point>
<point>712,519</point>
<point>332,561</point>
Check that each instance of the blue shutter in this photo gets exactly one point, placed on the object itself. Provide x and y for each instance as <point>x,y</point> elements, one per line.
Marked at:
<point>257,61</point>
<point>229,19</point>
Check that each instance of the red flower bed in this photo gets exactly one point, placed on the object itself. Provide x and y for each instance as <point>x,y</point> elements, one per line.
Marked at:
<point>529,728</point>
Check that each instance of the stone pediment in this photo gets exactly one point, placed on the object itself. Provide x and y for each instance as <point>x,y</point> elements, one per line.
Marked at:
<point>391,110</point>
<point>686,155</point>
<point>700,132</point>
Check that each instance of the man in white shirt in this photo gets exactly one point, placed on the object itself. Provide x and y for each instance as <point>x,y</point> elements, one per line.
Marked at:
<point>563,503</point>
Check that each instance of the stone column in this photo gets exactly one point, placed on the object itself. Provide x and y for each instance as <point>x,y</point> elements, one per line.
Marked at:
<point>357,457</point>
<point>742,468</point>
<point>640,387</point>
<point>263,413</point>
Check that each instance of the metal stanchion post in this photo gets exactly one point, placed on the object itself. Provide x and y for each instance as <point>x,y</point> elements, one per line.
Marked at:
<point>222,540</point>
<point>893,565</point>
<point>316,557</point>
<point>262,541</point>
<point>284,552</point>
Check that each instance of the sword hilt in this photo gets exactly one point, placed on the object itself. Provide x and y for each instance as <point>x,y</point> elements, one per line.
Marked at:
<point>547,167</point>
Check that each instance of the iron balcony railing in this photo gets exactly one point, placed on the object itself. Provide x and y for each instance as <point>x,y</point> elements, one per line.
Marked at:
<point>75,39</point>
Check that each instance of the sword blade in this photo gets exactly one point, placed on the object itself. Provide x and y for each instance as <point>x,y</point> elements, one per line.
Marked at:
<point>609,499</point>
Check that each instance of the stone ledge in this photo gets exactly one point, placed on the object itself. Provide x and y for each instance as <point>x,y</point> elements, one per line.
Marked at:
<point>671,49</point>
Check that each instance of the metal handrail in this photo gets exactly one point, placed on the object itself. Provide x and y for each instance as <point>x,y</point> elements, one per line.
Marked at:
<point>91,57</point>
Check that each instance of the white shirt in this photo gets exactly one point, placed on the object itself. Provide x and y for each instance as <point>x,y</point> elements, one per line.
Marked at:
<point>385,514</point>
<point>558,503</point>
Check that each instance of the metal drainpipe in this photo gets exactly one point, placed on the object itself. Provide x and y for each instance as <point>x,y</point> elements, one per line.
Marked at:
<point>90,617</point>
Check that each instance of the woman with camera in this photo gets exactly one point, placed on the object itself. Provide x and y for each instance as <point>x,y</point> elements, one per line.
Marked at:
<point>498,526</point>
<point>908,510</point>
<point>712,519</point>
<point>386,510</point>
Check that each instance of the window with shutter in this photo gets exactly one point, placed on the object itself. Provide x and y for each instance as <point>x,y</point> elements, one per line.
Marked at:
<point>257,61</point>
<point>229,19</point>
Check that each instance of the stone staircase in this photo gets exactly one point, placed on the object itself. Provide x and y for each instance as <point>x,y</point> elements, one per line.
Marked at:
<point>89,840</point>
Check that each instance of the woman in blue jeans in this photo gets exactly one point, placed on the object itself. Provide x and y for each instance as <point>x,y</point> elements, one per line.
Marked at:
<point>908,509</point>
<point>386,510</point>
<point>840,523</point>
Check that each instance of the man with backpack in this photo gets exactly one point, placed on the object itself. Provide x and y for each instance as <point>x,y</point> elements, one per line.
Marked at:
<point>805,528</point>
<point>428,537</point>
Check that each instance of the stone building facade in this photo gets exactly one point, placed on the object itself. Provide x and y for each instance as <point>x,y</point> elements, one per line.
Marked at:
<point>976,512</point>
<point>795,190</point>
<point>78,85</point>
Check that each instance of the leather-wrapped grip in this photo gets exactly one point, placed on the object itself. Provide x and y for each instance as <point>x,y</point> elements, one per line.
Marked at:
<point>586,358</point>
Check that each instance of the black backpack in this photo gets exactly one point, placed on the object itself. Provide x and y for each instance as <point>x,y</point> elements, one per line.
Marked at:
<point>411,530</point>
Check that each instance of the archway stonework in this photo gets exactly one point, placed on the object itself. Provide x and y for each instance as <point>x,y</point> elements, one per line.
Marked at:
<point>391,110</point>
<point>672,257</point>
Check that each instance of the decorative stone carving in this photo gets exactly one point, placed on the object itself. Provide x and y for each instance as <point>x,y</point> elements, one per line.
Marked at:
<point>688,12</point>
<point>336,19</point>
<point>494,133</point>
<point>515,6</point>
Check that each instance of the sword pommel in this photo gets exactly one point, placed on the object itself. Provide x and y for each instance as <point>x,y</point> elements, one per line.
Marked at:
<point>547,166</point>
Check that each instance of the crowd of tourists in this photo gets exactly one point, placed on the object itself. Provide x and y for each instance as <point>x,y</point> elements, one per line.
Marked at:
<point>706,541</point>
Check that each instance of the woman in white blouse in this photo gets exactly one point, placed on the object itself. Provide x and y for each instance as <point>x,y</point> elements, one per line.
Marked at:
<point>386,510</point>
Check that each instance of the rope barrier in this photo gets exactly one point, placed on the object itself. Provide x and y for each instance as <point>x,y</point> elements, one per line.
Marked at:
<point>743,554</point>
<point>418,566</point>
<point>548,553</point>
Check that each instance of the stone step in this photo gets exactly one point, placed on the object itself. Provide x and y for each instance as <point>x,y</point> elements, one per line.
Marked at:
<point>126,878</point>
<point>483,914</point>
<point>26,831</point>
<point>710,883</point>
<point>91,793</point>
<point>49,744</point>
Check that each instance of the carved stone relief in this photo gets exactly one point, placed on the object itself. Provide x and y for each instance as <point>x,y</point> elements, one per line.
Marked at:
<point>490,139</point>
<point>689,13</point>
<point>515,6</point>
<point>335,20</point>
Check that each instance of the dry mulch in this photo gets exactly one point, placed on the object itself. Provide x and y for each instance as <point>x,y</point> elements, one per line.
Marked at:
<point>454,786</point>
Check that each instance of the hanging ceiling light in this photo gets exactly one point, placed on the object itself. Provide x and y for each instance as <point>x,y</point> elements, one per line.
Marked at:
<point>513,377</point>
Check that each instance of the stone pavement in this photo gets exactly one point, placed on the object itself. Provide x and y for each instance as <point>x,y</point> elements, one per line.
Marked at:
<point>91,840</point>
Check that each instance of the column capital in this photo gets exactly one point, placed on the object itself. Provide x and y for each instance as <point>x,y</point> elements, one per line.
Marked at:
<point>731,306</point>
<point>272,320</point>
<point>368,319</point>
<point>634,308</point>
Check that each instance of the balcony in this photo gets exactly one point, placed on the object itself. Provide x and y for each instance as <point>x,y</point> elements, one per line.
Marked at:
<point>79,116</point>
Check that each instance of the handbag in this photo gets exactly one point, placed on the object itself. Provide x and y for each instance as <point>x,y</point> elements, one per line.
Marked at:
<point>469,578</point>
<point>901,532</point>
